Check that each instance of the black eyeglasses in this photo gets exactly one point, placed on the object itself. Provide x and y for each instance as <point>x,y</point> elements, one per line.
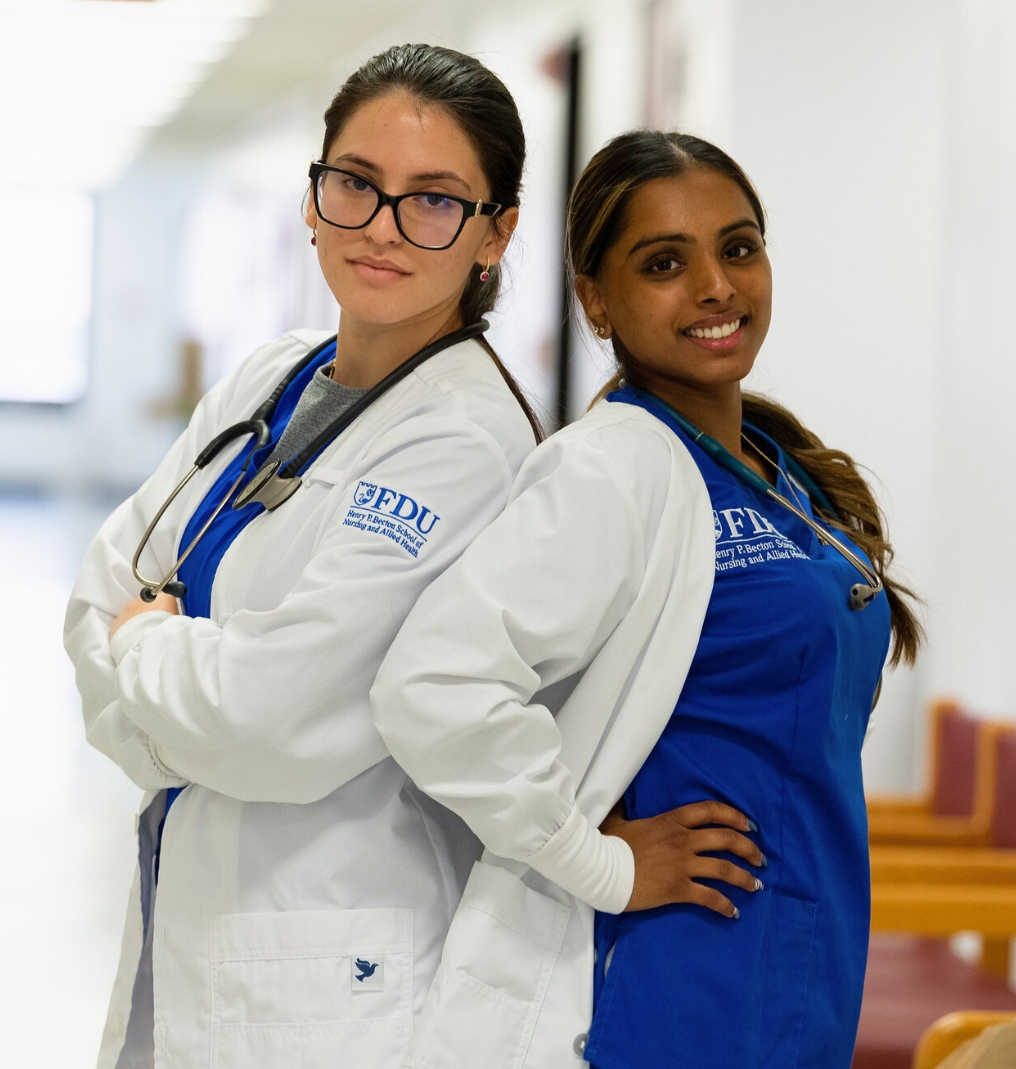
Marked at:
<point>426,220</point>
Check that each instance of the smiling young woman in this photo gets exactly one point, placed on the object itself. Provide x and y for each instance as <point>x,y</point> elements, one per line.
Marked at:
<point>294,887</point>
<point>684,606</point>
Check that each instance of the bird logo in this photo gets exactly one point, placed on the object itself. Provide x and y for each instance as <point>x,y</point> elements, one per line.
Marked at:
<point>367,969</point>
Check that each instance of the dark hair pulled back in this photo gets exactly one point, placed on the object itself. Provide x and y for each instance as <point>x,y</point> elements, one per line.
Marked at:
<point>597,216</point>
<point>481,106</point>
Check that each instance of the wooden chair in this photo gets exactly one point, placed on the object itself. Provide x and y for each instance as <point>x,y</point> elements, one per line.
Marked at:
<point>939,890</point>
<point>951,1031</point>
<point>958,807</point>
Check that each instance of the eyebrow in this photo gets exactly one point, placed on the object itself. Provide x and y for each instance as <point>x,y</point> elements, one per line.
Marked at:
<point>687,239</point>
<point>428,176</point>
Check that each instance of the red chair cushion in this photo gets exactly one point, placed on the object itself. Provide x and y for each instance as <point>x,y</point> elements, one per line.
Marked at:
<point>1003,824</point>
<point>956,771</point>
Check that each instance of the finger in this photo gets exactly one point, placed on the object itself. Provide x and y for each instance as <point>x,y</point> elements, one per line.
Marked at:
<point>709,897</point>
<point>716,868</point>
<point>724,841</point>
<point>712,812</point>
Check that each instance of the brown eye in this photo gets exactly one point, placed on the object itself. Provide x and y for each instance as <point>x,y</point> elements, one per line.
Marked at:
<point>663,264</point>
<point>740,250</point>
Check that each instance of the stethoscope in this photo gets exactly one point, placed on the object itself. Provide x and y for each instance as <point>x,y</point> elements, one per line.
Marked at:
<point>276,482</point>
<point>860,593</point>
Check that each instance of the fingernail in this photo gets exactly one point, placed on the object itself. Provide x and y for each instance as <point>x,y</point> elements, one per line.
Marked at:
<point>752,826</point>
<point>764,863</point>
<point>737,914</point>
<point>759,885</point>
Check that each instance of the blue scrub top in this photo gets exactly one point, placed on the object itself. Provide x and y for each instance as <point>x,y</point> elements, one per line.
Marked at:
<point>770,720</point>
<point>198,570</point>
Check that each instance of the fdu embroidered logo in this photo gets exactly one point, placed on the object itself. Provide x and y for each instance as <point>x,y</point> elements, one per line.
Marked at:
<point>381,510</point>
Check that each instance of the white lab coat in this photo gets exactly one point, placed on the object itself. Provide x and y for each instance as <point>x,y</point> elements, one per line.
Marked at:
<point>299,846</point>
<point>524,692</point>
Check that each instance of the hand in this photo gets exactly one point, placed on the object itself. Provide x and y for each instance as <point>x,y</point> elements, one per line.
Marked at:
<point>668,855</point>
<point>163,603</point>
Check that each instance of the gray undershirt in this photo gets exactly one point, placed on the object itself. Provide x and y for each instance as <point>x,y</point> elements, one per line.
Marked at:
<point>322,401</point>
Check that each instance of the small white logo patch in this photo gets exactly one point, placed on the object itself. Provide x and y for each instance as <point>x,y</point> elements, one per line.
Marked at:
<point>367,975</point>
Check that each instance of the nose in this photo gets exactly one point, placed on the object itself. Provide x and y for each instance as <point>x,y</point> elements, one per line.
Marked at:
<point>710,282</point>
<point>382,229</point>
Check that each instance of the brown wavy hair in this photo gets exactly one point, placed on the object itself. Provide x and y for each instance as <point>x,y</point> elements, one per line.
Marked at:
<point>597,216</point>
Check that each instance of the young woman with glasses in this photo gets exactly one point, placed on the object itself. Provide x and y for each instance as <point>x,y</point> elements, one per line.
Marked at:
<point>294,887</point>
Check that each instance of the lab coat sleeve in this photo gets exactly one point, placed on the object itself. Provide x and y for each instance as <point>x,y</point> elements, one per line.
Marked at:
<point>274,705</point>
<point>528,605</point>
<point>105,586</point>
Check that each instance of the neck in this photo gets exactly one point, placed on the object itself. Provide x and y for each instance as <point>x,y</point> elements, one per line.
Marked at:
<point>717,412</point>
<point>365,352</point>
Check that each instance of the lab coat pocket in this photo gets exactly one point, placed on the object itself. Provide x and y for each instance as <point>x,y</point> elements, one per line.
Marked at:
<point>785,975</point>
<point>497,961</point>
<point>312,989</point>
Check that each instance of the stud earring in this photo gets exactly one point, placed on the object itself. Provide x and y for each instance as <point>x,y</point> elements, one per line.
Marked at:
<point>600,331</point>
<point>485,273</point>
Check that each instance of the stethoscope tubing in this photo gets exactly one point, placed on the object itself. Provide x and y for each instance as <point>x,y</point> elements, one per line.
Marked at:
<point>859,595</point>
<point>257,424</point>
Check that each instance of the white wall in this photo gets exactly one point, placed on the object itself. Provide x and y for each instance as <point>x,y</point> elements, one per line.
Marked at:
<point>838,116</point>
<point>974,523</point>
<point>109,440</point>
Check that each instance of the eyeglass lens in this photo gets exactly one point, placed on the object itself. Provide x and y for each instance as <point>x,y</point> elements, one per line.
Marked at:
<point>427,219</point>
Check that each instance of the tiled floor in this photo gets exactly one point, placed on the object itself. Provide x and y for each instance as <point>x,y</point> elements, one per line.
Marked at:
<point>66,813</point>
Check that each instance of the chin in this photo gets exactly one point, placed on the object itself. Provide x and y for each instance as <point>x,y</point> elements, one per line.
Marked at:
<point>379,309</point>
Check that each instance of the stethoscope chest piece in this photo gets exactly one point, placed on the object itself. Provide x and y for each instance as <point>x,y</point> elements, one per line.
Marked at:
<point>266,488</point>
<point>861,595</point>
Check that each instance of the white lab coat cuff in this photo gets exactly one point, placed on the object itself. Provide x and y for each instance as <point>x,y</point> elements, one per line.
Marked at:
<point>174,779</point>
<point>598,869</point>
<point>131,633</point>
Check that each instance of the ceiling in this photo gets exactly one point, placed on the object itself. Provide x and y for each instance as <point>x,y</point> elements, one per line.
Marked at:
<point>84,82</point>
<point>295,44</point>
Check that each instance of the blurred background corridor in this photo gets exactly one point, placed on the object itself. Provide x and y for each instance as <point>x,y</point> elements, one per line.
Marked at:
<point>153,161</point>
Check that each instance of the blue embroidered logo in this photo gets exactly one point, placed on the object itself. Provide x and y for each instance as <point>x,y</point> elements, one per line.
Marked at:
<point>364,492</point>
<point>366,968</point>
<point>381,510</point>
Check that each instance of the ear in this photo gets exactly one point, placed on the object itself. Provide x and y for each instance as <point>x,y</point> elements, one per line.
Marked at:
<point>588,292</point>
<point>310,216</point>
<point>501,231</point>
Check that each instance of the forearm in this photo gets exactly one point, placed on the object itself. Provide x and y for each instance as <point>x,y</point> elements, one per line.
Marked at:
<point>227,714</point>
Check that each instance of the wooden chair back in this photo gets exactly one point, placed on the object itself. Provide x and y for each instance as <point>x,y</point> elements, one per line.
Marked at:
<point>1003,823</point>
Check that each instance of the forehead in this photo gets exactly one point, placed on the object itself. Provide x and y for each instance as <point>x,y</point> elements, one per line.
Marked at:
<point>701,201</point>
<point>402,136</point>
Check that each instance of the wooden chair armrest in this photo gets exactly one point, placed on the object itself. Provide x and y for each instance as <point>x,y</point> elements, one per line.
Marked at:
<point>898,804</point>
<point>944,909</point>
<point>943,1036</point>
<point>942,864</point>
<point>927,830</point>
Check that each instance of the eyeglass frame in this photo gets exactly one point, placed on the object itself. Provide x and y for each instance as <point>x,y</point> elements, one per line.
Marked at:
<point>479,207</point>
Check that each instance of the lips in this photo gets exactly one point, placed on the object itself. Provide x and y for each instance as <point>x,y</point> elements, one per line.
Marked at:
<point>717,332</point>
<point>377,269</point>
<point>723,330</point>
